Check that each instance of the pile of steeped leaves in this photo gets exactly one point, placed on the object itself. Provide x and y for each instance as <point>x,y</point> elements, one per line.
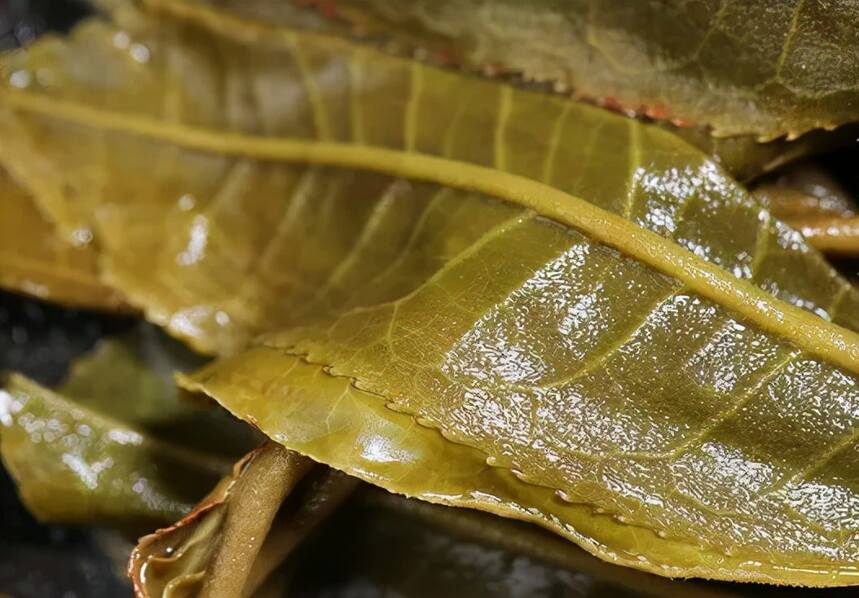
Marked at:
<point>561,262</point>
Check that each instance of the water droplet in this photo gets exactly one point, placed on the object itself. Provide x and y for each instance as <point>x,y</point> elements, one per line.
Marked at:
<point>187,202</point>
<point>121,40</point>
<point>222,318</point>
<point>140,53</point>
<point>20,79</point>
<point>82,236</point>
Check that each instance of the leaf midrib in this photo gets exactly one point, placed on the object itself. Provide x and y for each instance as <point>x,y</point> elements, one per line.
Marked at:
<point>807,331</point>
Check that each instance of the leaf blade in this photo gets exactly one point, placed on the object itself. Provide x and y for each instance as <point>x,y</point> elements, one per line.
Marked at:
<point>663,62</point>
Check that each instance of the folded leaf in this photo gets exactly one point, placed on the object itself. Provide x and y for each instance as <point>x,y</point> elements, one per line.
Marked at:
<point>622,352</point>
<point>241,532</point>
<point>792,65</point>
<point>73,465</point>
<point>177,242</point>
<point>35,261</point>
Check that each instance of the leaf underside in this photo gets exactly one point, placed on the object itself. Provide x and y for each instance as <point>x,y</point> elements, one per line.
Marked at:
<point>792,65</point>
<point>573,385</point>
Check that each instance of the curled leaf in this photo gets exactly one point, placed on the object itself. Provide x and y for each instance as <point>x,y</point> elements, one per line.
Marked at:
<point>238,535</point>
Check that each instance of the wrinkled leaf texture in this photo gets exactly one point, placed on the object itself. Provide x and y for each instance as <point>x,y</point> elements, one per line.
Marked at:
<point>648,370</point>
<point>792,65</point>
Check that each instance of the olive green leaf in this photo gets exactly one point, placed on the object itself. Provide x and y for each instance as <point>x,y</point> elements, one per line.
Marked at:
<point>74,465</point>
<point>130,377</point>
<point>34,260</point>
<point>115,443</point>
<point>611,338</point>
<point>769,68</point>
<point>238,535</point>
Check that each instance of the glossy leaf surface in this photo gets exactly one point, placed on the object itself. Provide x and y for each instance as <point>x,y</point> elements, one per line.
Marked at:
<point>34,260</point>
<point>621,351</point>
<point>792,65</point>
<point>115,443</point>
<point>74,465</point>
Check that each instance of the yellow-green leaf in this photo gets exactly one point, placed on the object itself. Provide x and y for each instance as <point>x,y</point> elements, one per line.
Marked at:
<point>116,444</point>
<point>73,465</point>
<point>331,421</point>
